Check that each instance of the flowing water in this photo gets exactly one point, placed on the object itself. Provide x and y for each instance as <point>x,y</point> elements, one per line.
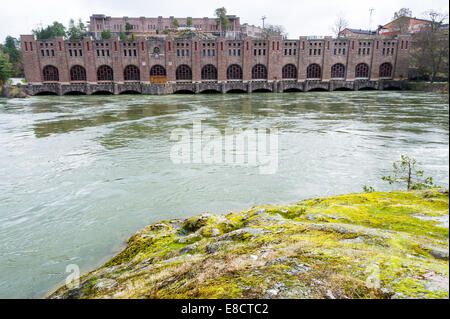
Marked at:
<point>80,174</point>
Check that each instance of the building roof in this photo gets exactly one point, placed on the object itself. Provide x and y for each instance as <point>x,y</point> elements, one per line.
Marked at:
<point>410,18</point>
<point>360,31</point>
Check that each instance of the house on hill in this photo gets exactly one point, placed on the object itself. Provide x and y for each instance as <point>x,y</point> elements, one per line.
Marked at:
<point>403,25</point>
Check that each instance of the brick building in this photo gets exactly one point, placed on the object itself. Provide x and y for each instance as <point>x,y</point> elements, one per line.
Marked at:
<point>403,25</point>
<point>168,65</point>
<point>143,25</point>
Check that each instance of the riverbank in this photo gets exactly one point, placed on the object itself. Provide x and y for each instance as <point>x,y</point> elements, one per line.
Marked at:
<point>441,87</point>
<point>377,245</point>
<point>12,92</point>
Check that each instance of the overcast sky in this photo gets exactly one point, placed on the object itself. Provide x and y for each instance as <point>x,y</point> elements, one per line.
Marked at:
<point>299,17</point>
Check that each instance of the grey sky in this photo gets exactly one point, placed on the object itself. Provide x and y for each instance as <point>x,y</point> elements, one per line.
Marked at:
<point>298,16</point>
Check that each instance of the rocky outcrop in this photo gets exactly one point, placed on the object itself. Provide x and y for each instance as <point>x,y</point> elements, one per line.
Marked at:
<point>12,92</point>
<point>351,246</point>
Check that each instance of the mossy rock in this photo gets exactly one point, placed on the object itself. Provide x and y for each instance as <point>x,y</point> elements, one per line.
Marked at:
<point>377,245</point>
<point>14,92</point>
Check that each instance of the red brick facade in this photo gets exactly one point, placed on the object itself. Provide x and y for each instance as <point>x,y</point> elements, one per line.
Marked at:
<point>273,54</point>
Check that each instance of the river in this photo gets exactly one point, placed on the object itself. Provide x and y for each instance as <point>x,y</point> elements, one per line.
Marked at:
<point>80,174</point>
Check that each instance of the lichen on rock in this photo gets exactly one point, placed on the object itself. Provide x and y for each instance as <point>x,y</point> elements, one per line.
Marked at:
<point>350,246</point>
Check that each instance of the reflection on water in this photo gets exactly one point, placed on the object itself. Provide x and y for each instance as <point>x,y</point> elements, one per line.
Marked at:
<point>80,174</point>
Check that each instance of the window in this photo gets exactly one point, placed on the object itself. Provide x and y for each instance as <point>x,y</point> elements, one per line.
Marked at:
<point>362,70</point>
<point>50,73</point>
<point>183,73</point>
<point>386,70</point>
<point>289,71</point>
<point>77,73</point>
<point>209,72</point>
<point>157,70</point>
<point>131,73</point>
<point>105,73</point>
<point>338,71</point>
<point>234,72</point>
<point>313,71</point>
<point>259,72</point>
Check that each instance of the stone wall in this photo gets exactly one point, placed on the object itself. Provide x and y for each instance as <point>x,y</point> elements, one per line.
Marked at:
<point>208,87</point>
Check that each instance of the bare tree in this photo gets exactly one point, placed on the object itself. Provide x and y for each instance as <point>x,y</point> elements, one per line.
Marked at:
<point>274,30</point>
<point>403,12</point>
<point>339,25</point>
<point>401,20</point>
<point>430,53</point>
<point>437,19</point>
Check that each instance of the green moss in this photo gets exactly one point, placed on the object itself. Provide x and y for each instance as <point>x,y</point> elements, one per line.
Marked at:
<point>318,248</point>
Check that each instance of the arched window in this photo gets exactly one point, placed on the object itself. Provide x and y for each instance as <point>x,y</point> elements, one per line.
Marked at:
<point>289,71</point>
<point>209,72</point>
<point>184,73</point>
<point>77,73</point>
<point>234,72</point>
<point>362,70</point>
<point>259,72</point>
<point>386,70</point>
<point>338,71</point>
<point>132,73</point>
<point>105,73</point>
<point>157,70</point>
<point>50,73</point>
<point>313,71</point>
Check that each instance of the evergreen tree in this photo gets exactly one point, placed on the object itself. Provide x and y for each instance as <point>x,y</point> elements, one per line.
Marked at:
<point>12,50</point>
<point>106,35</point>
<point>76,31</point>
<point>122,35</point>
<point>5,68</point>
<point>57,29</point>
<point>189,22</point>
<point>222,19</point>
